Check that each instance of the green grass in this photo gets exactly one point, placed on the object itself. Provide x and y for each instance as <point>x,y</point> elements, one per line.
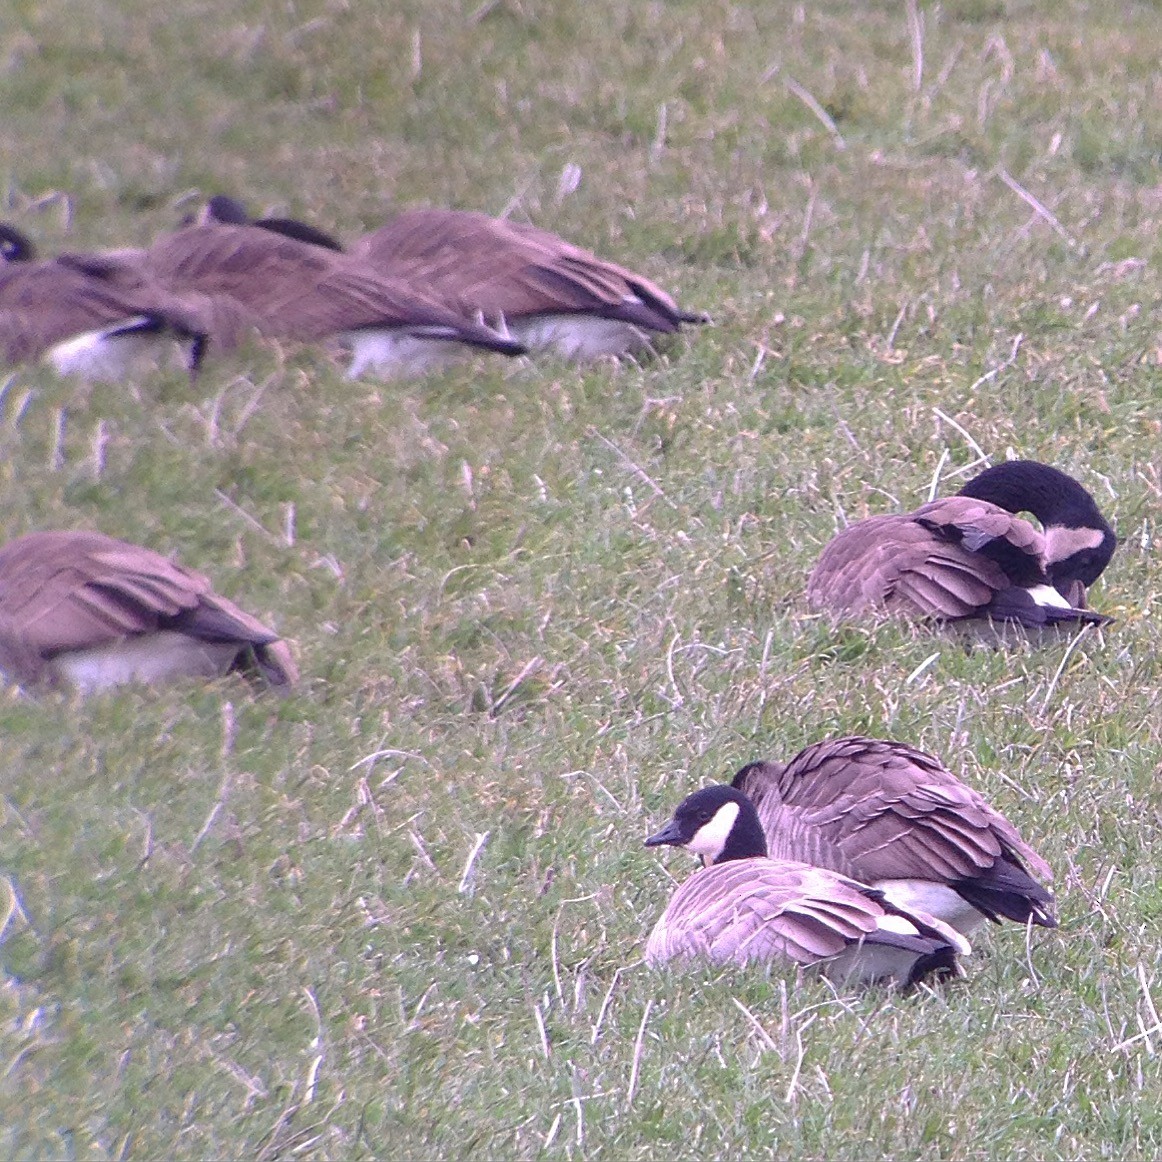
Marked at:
<point>540,604</point>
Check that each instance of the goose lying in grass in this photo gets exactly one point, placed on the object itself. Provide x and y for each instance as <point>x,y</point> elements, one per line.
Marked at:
<point>529,284</point>
<point>86,319</point>
<point>293,289</point>
<point>544,291</point>
<point>745,906</point>
<point>893,817</point>
<point>84,610</point>
<point>971,557</point>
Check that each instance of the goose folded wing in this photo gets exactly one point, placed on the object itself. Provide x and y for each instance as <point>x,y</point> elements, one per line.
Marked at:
<point>122,281</point>
<point>301,292</point>
<point>754,910</point>
<point>927,833</point>
<point>892,811</point>
<point>990,532</point>
<point>94,599</point>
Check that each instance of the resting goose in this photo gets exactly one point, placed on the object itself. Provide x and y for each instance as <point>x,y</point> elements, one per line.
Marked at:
<point>87,318</point>
<point>532,284</point>
<point>744,906</point>
<point>525,282</point>
<point>896,818</point>
<point>300,285</point>
<point>84,610</point>
<point>971,557</point>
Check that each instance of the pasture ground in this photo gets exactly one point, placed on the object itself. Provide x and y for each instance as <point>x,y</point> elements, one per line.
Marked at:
<point>401,912</point>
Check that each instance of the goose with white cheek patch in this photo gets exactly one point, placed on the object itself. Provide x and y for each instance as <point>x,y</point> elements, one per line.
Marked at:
<point>894,817</point>
<point>744,907</point>
<point>86,611</point>
<point>972,558</point>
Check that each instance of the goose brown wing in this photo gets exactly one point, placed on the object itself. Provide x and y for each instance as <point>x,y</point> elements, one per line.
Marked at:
<point>941,561</point>
<point>64,591</point>
<point>762,909</point>
<point>986,530</point>
<point>223,318</point>
<point>878,810</point>
<point>481,264</point>
<point>45,303</point>
<point>299,291</point>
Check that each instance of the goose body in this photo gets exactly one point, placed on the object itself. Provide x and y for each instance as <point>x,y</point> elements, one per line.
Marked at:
<point>894,817</point>
<point>84,610</point>
<point>746,907</point>
<point>299,284</point>
<point>529,283</point>
<point>85,319</point>
<point>971,557</point>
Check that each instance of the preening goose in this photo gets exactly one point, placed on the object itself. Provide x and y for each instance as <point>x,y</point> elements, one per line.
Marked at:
<point>529,283</point>
<point>300,285</point>
<point>85,610</point>
<point>87,318</point>
<point>971,557</point>
<point>893,817</point>
<point>744,906</point>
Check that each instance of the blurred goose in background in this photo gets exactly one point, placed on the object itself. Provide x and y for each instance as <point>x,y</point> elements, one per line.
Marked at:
<point>744,906</point>
<point>84,610</point>
<point>529,283</point>
<point>895,818</point>
<point>971,557</point>
<point>88,318</point>
<point>300,285</point>
<point>525,282</point>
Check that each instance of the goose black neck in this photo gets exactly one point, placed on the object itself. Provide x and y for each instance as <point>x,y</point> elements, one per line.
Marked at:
<point>1055,499</point>
<point>746,838</point>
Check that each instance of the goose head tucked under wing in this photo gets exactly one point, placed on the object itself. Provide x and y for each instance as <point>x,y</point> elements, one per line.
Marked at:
<point>529,282</point>
<point>87,611</point>
<point>972,557</point>
<point>90,315</point>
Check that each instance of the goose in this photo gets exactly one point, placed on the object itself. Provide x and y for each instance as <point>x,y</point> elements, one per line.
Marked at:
<point>87,318</point>
<point>299,287</point>
<point>527,282</point>
<point>84,610</point>
<point>894,817</point>
<point>744,906</point>
<point>970,557</point>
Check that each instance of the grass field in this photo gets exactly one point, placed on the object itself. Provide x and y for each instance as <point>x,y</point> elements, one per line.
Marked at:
<point>401,913</point>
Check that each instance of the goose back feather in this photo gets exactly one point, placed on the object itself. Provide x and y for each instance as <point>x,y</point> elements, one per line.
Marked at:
<point>892,816</point>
